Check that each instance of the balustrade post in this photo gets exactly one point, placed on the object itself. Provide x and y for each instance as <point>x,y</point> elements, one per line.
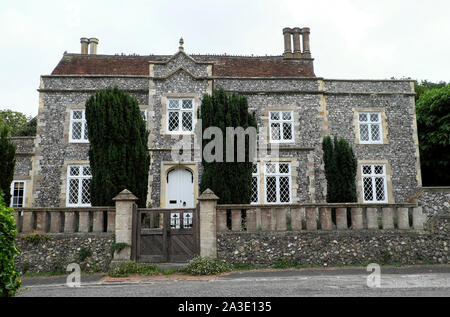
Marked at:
<point>221,220</point>
<point>55,222</point>
<point>418,218</point>
<point>357,218</point>
<point>403,218</point>
<point>296,219</point>
<point>341,219</point>
<point>236,220</point>
<point>251,220</point>
<point>311,219</point>
<point>83,225</point>
<point>97,221</point>
<point>281,219</point>
<point>326,221</point>
<point>388,218</point>
<point>372,218</point>
<point>69,222</point>
<point>27,222</point>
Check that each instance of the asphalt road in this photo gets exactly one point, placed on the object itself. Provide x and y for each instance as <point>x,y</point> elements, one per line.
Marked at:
<point>404,281</point>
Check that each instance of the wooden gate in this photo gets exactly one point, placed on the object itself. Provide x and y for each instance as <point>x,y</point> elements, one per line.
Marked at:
<point>165,236</point>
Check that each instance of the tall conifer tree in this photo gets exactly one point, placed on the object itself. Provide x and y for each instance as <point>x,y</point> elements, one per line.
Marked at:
<point>340,170</point>
<point>7,163</point>
<point>118,151</point>
<point>230,181</point>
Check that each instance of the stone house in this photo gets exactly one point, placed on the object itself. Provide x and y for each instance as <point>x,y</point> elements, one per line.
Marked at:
<point>295,110</point>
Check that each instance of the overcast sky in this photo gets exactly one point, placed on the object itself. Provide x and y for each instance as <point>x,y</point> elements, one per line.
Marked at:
<point>350,39</point>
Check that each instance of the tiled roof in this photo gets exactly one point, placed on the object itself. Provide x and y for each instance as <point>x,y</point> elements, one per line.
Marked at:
<point>224,66</point>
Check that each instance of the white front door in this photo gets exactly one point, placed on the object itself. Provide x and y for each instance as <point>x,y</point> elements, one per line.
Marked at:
<point>180,188</point>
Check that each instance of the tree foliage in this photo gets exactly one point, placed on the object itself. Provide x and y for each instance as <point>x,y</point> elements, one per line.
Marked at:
<point>118,151</point>
<point>423,86</point>
<point>17,123</point>
<point>433,122</point>
<point>340,170</point>
<point>7,163</point>
<point>230,181</point>
<point>10,282</point>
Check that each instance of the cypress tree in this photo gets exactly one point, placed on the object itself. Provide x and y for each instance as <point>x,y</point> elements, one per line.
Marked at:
<point>231,181</point>
<point>340,170</point>
<point>118,151</point>
<point>7,163</point>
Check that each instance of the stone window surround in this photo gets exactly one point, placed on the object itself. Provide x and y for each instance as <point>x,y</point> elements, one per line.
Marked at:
<point>24,192</point>
<point>384,129</point>
<point>163,100</point>
<point>296,122</point>
<point>294,177</point>
<point>166,167</point>
<point>64,180</point>
<point>67,125</point>
<point>281,121</point>
<point>80,177</point>
<point>359,190</point>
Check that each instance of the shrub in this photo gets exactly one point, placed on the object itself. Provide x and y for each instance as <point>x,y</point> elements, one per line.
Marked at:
<point>84,253</point>
<point>9,278</point>
<point>36,238</point>
<point>205,266</point>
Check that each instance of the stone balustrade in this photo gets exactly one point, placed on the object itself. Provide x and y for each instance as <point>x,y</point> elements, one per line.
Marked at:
<point>65,220</point>
<point>313,217</point>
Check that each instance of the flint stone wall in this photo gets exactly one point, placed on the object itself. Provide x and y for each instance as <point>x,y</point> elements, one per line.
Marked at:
<point>435,200</point>
<point>338,247</point>
<point>56,251</point>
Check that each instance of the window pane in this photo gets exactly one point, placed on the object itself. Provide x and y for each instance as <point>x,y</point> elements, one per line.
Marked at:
<point>87,171</point>
<point>379,169</point>
<point>76,130</point>
<point>187,121</point>
<point>173,121</point>
<point>270,168</point>
<point>284,168</point>
<point>255,169</point>
<point>275,131</point>
<point>287,115</point>
<point>285,195</point>
<point>368,190</point>
<point>173,104</point>
<point>275,116</point>
<point>374,117</point>
<point>73,191</point>
<point>77,114</point>
<point>187,104</point>
<point>287,131</point>
<point>367,169</point>
<point>375,132</point>
<point>254,189</point>
<point>363,117</point>
<point>85,191</point>
<point>85,131</point>
<point>74,171</point>
<point>379,187</point>
<point>271,189</point>
<point>364,132</point>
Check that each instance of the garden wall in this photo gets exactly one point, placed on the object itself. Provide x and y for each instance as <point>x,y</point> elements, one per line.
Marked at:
<point>434,200</point>
<point>342,247</point>
<point>53,252</point>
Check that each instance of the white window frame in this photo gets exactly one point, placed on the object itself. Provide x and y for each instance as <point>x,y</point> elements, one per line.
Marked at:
<point>282,121</point>
<point>180,111</point>
<point>80,177</point>
<point>277,176</point>
<point>255,175</point>
<point>12,205</point>
<point>369,124</point>
<point>84,137</point>
<point>372,176</point>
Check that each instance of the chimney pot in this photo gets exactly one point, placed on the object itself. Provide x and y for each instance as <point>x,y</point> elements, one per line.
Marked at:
<point>84,45</point>
<point>296,35</point>
<point>93,43</point>
<point>287,43</point>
